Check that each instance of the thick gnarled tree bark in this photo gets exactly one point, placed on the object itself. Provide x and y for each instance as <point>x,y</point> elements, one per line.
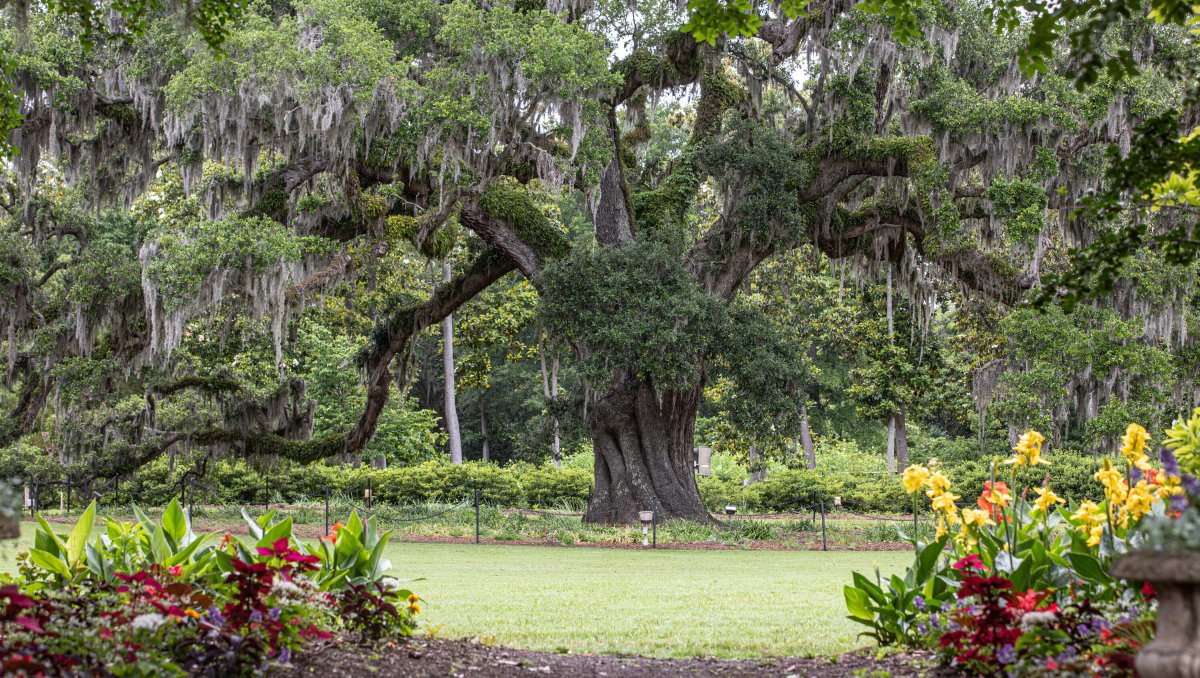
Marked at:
<point>643,447</point>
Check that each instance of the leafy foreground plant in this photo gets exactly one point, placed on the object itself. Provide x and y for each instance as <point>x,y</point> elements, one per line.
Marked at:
<point>1018,584</point>
<point>155,599</point>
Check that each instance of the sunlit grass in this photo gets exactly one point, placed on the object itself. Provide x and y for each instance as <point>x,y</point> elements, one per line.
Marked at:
<point>731,603</point>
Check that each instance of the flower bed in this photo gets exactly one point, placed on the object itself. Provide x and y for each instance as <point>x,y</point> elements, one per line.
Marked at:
<point>1019,583</point>
<point>155,599</point>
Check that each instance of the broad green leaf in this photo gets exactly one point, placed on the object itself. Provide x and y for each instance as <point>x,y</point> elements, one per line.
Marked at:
<point>280,530</point>
<point>47,539</point>
<point>858,603</point>
<point>77,541</point>
<point>174,522</point>
<point>49,562</point>
<point>160,551</point>
<point>1089,568</point>
<point>256,530</point>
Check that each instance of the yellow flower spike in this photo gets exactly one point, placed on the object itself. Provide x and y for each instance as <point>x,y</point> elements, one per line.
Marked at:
<point>1095,534</point>
<point>945,503</point>
<point>941,530</point>
<point>976,518</point>
<point>1139,502</point>
<point>1047,499</point>
<point>1133,447</point>
<point>915,477</point>
<point>938,485</point>
<point>1115,488</point>
<point>1029,450</point>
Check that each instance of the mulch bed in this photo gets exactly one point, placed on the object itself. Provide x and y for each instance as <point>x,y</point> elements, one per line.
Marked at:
<point>429,657</point>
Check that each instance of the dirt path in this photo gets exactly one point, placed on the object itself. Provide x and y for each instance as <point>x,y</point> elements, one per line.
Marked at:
<point>430,657</point>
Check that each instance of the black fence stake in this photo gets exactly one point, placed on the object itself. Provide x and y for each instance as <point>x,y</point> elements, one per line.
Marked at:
<point>192,497</point>
<point>824,544</point>
<point>654,520</point>
<point>326,509</point>
<point>477,515</point>
<point>68,493</point>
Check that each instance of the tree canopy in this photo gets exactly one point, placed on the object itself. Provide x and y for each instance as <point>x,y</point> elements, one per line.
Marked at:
<point>201,244</point>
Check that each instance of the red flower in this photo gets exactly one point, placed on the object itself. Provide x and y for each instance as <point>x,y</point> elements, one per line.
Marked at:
<point>971,562</point>
<point>1029,601</point>
<point>1148,591</point>
<point>984,499</point>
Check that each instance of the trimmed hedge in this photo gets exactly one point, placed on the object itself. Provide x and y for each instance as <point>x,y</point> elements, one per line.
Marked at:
<point>526,485</point>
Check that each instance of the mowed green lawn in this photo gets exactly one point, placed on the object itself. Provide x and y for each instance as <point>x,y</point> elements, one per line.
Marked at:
<point>621,601</point>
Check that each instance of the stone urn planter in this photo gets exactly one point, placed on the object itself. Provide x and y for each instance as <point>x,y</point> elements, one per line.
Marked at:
<point>1175,576</point>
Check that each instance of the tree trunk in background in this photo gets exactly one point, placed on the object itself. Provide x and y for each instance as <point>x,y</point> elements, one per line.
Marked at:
<point>757,473</point>
<point>891,426</point>
<point>379,461</point>
<point>891,444</point>
<point>484,432</point>
<point>643,447</point>
<point>901,441</point>
<point>550,391</point>
<point>454,442</point>
<point>806,441</point>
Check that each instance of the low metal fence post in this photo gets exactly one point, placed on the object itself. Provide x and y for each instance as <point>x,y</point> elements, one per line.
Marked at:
<point>477,515</point>
<point>326,509</point>
<point>824,543</point>
<point>654,520</point>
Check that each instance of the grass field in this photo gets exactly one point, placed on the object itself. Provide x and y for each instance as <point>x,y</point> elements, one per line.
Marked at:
<point>623,601</point>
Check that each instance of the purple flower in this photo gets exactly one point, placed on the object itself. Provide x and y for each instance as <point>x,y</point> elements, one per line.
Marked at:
<point>922,628</point>
<point>1190,484</point>
<point>274,613</point>
<point>935,620</point>
<point>1170,465</point>
<point>919,603</point>
<point>1179,502</point>
<point>1068,654</point>
<point>255,617</point>
<point>214,616</point>
<point>285,655</point>
<point>1083,630</point>
<point>1006,655</point>
<point>1135,474</point>
<point>946,606</point>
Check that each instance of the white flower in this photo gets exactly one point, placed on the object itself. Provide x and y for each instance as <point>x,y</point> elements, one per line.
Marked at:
<point>1032,619</point>
<point>390,583</point>
<point>148,622</point>
<point>284,587</point>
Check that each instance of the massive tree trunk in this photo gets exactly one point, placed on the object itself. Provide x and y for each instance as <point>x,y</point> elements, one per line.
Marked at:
<point>901,441</point>
<point>454,434</point>
<point>643,446</point>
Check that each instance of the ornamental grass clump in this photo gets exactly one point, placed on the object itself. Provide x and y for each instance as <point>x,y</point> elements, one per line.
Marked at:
<point>1016,581</point>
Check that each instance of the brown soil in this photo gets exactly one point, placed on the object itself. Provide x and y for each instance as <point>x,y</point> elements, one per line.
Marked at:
<point>429,657</point>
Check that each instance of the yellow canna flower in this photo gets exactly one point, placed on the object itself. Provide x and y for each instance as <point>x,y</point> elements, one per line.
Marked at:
<point>965,539</point>
<point>1115,488</point>
<point>1138,502</point>
<point>1094,534</point>
<point>1047,499</point>
<point>941,530</point>
<point>945,503</point>
<point>915,477</point>
<point>1133,447</point>
<point>938,485</point>
<point>977,518</point>
<point>1029,450</point>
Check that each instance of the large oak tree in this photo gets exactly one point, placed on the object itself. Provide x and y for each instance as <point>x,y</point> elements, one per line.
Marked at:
<point>159,182</point>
